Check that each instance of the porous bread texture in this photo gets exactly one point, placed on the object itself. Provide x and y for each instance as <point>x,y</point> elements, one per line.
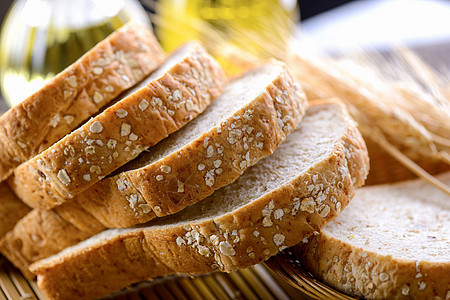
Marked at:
<point>42,233</point>
<point>11,209</point>
<point>247,122</point>
<point>117,201</point>
<point>82,89</point>
<point>391,242</point>
<point>190,79</point>
<point>233,228</point>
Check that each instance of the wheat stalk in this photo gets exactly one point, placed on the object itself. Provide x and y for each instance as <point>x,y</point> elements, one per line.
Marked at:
<point>406,115</point>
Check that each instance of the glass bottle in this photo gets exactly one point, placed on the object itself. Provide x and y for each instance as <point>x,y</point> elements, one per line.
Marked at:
<point>260,27</point>
<point>39,38</point>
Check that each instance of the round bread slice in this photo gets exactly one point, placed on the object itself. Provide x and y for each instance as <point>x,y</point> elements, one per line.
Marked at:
<point>164,102</point>
<point>391,242</point>
<point>117,63</point>
<point>245,124</point>
<point>275,204</point>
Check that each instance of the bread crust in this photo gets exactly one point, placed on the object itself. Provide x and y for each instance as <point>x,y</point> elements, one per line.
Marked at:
<point>11,209</point>
<point>42,233</point>
<point>367,274</point>
<point>121,132</point>
<point>233,240</point>
<point>82,89</point>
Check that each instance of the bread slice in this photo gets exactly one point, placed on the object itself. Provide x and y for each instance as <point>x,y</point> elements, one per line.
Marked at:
<point>112,66</point>
<point>11,209</point>
<point>126,199</point>
<point>391,242</point>
<point>247,122</point>
<point>164,102</point>
<point>290,194</point>
<point>42,233</point>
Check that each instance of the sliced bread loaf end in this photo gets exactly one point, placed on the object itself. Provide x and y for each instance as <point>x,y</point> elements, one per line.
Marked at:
<point>117,63</point>
<point>391,242</point>
<point>164,102</point>
<point>275,204</point>
<point>11,209</point>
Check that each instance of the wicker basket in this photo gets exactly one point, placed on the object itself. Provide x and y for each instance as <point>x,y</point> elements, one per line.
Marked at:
<point>257,282</point>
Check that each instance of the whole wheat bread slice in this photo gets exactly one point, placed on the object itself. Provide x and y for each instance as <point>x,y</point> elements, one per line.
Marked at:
<point>112,66</point>
<point>11,209</point>
<point>391,242</point>
<point>285,197</point>
<point>247,122</point>
<point>164,102</point>
<point>258,101</point>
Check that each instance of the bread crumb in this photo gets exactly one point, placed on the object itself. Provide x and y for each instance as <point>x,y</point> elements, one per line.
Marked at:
<point>180,187</point>
<point>21,144</point>
<point>384,277</point>
<point>125,129</point>
<point>267,222</point>
<point>180,241</point>
<point>165,169</point>
<point>157,209</point>
<point>97,97</point>
<point>176,95</point>
<point>96,127</point>
<point>63,177</point>
<point>109,88</point>
<point>203,250</point>
<point>209,178</point>
<point>97,70</point>
<point>405,290</point>
<point>210,151</point>
<point>143,104</point>
<point>72,81</point>
<point>226,249</point>
<point>217,163</point>
<point>278,214</point>
<point>278,239</point>
<point>111,144</point>
<point>121,113</point>
<point>307,205</point>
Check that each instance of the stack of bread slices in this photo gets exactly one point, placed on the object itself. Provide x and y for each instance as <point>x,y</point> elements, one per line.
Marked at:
<point>132,164</point>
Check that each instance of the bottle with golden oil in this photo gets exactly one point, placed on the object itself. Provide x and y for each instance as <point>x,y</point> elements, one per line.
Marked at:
<point>39,38</point>
<point>228,28</point>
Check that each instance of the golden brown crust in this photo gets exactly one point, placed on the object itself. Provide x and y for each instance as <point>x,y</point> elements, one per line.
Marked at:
<point>112,66</point>
<point>371,275</point>
<point>11,209</point>
<point>121,132</point>
<point>42,233</point>
<point>244,237</point>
